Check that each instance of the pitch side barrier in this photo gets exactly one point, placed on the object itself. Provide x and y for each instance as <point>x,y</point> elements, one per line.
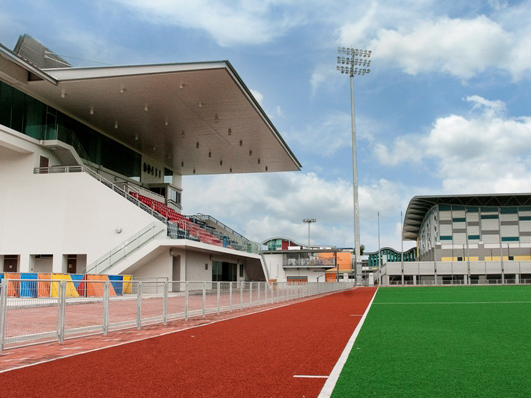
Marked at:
<point>44,310</point>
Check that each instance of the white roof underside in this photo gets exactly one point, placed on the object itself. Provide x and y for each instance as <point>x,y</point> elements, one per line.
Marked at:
<point>188,105</point>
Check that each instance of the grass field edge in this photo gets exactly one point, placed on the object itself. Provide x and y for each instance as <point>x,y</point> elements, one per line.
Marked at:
<point>328,388</point>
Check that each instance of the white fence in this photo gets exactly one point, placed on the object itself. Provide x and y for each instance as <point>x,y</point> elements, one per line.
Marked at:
<point>36,311</point>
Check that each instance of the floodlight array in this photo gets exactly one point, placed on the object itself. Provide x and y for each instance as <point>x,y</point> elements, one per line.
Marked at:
<point>353,61</point>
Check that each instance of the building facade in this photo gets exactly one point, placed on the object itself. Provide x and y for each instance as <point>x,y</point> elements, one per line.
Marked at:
<point>92,160</point>
<point>467,239</point>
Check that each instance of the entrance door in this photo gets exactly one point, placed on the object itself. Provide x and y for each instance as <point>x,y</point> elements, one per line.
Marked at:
<point>10,263</point>
<point>71,264</point>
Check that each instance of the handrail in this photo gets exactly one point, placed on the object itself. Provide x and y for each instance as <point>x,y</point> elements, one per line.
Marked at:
<point>216,221</point>
<point>104,181</point>
<point>254,247</point>
<point>125,248</point>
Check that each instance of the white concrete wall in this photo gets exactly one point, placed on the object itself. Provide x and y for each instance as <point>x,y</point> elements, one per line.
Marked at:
<point>58,214</point>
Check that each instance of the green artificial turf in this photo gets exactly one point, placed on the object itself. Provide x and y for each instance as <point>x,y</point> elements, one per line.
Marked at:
<point>472,341</point>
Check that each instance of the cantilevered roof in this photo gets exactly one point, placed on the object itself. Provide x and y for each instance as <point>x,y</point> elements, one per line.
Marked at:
<point>420,205</point>
<point>195,118</point>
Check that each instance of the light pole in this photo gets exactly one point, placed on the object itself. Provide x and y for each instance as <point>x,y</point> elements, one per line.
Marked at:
<point>354,62</point>
<point>309,221</point>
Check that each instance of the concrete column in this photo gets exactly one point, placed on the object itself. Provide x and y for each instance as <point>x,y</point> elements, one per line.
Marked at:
<point>58,261</point>
<point>24,263</point>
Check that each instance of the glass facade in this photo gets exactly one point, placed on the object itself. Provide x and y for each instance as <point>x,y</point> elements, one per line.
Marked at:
<point>29,116</point>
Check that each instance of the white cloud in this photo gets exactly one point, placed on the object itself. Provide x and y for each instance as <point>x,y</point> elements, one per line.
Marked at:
<point>460,47</point>
<point>261,206</point>
<point>325,137</point>
<point>228,22</point>
<point>258,96</point>
<point>482,152</point>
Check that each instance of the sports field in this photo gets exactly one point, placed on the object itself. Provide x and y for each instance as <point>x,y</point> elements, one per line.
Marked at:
<point>442,342</point>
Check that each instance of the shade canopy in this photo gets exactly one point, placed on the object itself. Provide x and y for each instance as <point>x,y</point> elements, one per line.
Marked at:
<point>420,205</point>
<point>195,118</point>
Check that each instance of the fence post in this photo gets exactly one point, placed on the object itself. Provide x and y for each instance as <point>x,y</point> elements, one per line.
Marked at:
<point>230,296</point>
<point>204,299</point>
<point>218,298</point>
<point>250,294</point>
<point>186,300</point>
<point>106,298</point>
<point>241,295</point>
<point>165,303</point>
<point>61,315</point>
<point>3,312</point>
<point>139,306</point>
<point>258,283</point>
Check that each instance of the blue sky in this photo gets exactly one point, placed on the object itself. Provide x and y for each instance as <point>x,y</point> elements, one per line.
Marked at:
<point>445,109</point>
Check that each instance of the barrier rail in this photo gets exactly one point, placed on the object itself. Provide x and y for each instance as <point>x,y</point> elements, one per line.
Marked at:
<point>44,310</point>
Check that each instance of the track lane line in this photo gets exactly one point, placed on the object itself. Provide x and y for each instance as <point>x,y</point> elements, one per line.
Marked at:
<point>331,382</point>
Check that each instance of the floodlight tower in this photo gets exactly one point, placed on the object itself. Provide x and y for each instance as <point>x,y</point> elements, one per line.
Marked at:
<point>309,221</point>
<point>353,62</point>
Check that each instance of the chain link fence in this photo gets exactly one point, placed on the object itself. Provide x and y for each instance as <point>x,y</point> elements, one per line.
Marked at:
<point>37,311</point>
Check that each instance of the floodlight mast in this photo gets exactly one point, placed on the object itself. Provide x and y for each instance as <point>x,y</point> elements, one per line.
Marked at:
<point>353,62</point>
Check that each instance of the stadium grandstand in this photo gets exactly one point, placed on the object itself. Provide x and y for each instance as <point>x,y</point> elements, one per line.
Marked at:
<point>466,239</point>
<point>92,161</point>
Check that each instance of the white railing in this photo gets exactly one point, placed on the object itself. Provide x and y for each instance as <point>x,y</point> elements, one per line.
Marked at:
<point>68,309</point>
<point>105,262</point>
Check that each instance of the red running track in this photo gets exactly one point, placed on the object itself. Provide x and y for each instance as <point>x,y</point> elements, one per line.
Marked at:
<point>256,355</point>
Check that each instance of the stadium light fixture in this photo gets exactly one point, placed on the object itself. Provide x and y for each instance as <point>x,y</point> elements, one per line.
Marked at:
<point>354,62</point>
<point>309,221</point>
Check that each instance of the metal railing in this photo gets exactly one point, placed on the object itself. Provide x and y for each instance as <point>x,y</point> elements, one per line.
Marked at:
<point>255,247</point>
<point>37,311</point>
<point>105,262</point>
<point>183,229</point>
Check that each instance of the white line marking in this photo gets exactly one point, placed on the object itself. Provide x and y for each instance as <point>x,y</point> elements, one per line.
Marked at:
<point>311,376</point>
<point>456,302</point>
<point>328,388</point>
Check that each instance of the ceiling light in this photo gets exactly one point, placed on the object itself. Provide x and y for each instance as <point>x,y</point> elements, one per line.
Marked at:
<point>230,131</point>
<point>258,160</point>
<point>201,105</point>
<point>267,168</point>
<point>116,124</point>
<point>221,162</point>
<point>241,143</point>
<point>136,137</point>
<point>182,133</point>
<point>146,108</point>
<point>182,164</point>
<point>165,122</point>
<point>63,93</point>
<point>122,90</point>
<point>197,144</point>
<point>250,152</point>
<point>209,154</point>
<point>181,86</point>
<point>92,110</point>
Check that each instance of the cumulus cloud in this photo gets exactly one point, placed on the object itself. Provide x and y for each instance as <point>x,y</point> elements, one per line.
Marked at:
<point>228,22</point>
<point>261,206</point>
<point>460,47</point>
<point>484,151</point>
